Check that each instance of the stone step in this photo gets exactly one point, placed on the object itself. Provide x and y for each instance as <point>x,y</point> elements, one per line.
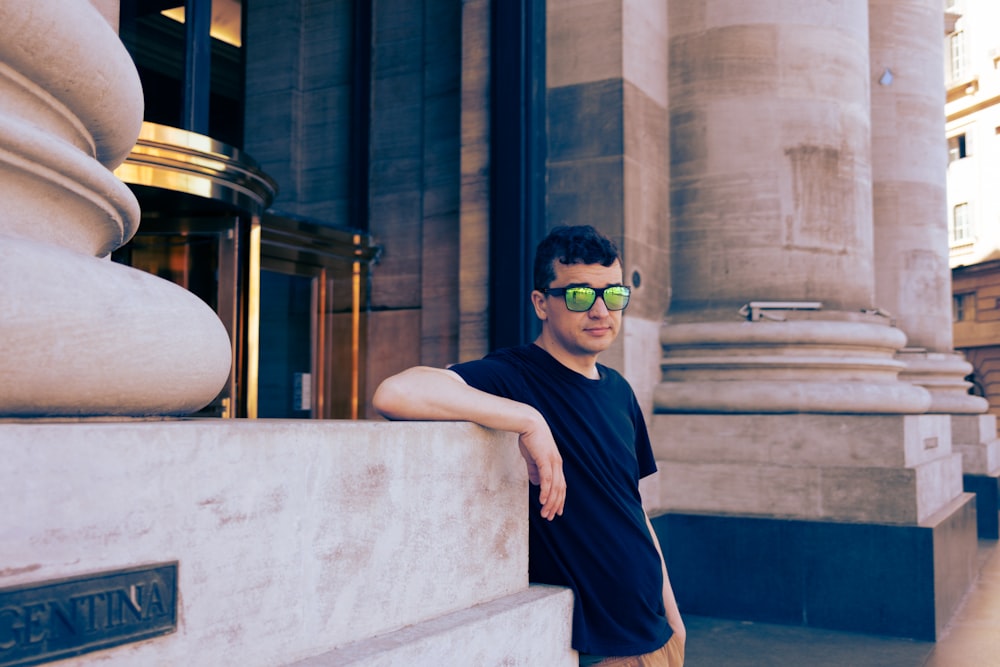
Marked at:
<point>531,627</point>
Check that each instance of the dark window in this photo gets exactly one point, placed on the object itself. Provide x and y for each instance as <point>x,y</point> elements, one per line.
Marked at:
<point>958,147</point>
<point>962,307</point>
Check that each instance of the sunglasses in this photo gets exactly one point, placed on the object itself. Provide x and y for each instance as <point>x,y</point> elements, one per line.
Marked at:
<point>580,299</point>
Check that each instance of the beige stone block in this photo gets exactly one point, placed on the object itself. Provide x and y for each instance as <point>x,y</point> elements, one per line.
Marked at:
<point>644,47</point>
<point>974,437</point>
<point>651,491</point>
<point>583,41</point>
<point>973,429</point>
<point>685,17</point>
<point>939,482</point>
<point>890,441</point>
<point>641,357</point>
<point>293,538</point>
<point>778,491</point>
<point>903,496</point>
<point>646,130</point>
<point>647,267</point>
<point>877,468</point>
<point>886,495</point>
<point>872,495</point>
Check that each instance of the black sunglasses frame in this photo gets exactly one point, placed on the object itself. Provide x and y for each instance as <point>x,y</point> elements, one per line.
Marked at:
<point>598,292</point>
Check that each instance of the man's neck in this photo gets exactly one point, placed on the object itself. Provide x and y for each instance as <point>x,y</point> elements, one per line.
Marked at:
<point>585,365</point>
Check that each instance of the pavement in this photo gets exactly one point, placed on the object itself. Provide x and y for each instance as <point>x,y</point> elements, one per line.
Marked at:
<point>971,639</point>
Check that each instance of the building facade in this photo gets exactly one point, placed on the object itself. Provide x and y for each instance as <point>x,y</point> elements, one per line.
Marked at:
<point>355,187</point>
<point>972,58</point>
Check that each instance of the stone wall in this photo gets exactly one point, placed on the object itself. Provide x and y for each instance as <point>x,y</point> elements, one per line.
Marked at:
<point>294,541</point>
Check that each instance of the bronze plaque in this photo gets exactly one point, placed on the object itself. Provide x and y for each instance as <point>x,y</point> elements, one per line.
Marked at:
<point>52,620</point>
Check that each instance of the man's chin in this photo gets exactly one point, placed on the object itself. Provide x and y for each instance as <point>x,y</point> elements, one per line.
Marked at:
<point>600,344</point>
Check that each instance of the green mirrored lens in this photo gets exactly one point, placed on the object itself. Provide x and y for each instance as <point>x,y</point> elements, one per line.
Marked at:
<point>616,298</point>
<point>580,298</point>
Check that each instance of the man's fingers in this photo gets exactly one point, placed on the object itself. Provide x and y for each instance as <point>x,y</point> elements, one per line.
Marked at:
<point>545,470</point>
<point>545,479</point>
<point>552,494</point>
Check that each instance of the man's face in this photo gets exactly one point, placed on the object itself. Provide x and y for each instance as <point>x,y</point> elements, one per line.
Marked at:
<point>584,333</point>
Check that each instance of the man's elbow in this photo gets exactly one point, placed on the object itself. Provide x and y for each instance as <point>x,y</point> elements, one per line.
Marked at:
<point>386,399</point>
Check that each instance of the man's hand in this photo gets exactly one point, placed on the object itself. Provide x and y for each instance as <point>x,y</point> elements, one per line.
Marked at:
<point>544,468</point>
<point>434,393</point>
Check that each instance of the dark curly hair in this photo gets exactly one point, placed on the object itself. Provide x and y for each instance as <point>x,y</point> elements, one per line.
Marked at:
<point>576,244</point>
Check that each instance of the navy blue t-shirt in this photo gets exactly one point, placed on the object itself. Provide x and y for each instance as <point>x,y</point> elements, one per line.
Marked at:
<point>600,547</point>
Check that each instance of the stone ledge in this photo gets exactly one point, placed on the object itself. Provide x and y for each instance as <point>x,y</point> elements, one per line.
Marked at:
<point>880,495</point>
<point>528,628</point>
<point>802,439</point>
<point>292,537</point>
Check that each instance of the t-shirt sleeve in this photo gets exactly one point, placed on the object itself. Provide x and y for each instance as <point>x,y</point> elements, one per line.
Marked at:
<point>487,375</point>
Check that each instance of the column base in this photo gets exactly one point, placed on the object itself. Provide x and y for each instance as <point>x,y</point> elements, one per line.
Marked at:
<point>904,581</point>
<point>823,366</point>
<point>943,375</point>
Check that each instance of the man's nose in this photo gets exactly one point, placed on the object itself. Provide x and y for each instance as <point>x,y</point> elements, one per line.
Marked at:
<point>599,309</point>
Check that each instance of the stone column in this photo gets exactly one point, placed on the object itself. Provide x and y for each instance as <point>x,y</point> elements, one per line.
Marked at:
<point>83,336</point>
<point>909,162</point>
<point>781,410</point>
<point>771,185</point>
<point>913,280</point>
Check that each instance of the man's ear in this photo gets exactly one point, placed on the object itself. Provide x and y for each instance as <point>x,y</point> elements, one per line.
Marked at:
<point>540,304</point>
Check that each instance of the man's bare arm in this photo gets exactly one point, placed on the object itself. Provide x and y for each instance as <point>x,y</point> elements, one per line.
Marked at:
<point>425,393</point>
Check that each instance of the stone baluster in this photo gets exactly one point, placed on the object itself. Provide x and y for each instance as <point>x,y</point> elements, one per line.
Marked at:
<point>80,335</point>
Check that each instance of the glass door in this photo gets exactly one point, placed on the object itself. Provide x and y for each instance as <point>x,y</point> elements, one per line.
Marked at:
<point>286,380</point>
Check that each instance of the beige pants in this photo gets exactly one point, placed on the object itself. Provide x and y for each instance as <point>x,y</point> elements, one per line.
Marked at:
<point>670,654</point>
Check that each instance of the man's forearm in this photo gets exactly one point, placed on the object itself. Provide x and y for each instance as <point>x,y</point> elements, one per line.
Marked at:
<point>436,394</point>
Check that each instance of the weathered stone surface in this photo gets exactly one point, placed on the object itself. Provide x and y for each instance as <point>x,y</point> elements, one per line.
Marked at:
<point>106,353</point>
<point>895,469</point>
<point>293,538</point>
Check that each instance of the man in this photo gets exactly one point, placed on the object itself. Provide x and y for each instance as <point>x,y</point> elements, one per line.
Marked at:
<point>584,438</point>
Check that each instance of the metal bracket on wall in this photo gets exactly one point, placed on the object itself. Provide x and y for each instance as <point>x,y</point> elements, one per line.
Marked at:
<point>771,310</point>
